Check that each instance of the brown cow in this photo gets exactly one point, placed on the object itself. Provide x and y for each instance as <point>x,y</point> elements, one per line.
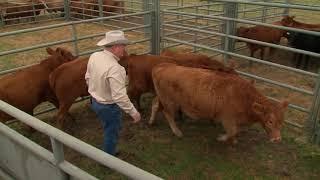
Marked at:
<point>68,83</point>
<point>91,7</point>
<point>214,95</point>
<point>290,22</point>
<point>27,88</point>
<point>71,76</point>
<point>261,33</point>
<point>139,70</point>
<point>14,11</point>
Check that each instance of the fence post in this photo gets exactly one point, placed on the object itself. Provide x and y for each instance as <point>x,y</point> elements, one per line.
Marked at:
<point>229,28</point>
<point>57,148</point>
<point>74,39</point>
<point>2,20</point>
<point>264,12</point>
<point>66,10</point>
<point>147,17</point>
<point>155,25</point>
<point>100,8</point>
<point>286,10</point>
<point>313,122</point>
<point>195,36</point>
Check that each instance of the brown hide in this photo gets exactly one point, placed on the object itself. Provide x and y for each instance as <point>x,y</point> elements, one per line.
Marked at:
<point>290,22</point>
<point>91,7</point>
<point>214,95</point>
<point>11,10</point>
<point>27,88</point>
<point>68,83</point>
<point>260,33</point>
<point>139,70</point>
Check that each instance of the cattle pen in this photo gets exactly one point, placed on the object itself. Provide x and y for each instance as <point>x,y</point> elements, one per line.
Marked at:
<point>207,27</point>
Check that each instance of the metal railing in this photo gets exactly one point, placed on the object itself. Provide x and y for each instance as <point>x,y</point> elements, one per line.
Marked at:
<point>59,139</point>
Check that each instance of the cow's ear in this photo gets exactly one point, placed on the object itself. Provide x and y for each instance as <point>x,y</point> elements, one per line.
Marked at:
<point>284,104</point>
<point>258,108</point>
<point>50,51</point>
<point>252,82</point>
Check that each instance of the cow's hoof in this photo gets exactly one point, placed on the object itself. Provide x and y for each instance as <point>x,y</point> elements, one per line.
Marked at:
<point>222,137</point>
<point>179,134</point>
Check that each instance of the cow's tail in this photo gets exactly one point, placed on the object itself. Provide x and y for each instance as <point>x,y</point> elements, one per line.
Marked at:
<point>52,81</point>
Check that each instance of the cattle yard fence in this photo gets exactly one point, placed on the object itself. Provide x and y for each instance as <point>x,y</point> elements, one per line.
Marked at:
<point>207,27</point>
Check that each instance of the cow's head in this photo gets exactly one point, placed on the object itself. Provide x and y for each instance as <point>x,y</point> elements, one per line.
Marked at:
<point>271,118</point>
<point>287,21</point>
<point>242,32</point>
<point>62,54</point>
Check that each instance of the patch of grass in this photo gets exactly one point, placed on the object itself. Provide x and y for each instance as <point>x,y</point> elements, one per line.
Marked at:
<point>6,61</point>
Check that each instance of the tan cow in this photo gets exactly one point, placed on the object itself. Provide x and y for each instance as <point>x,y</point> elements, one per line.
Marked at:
<point>214,95</point>
<point>27,88</point>
<point>139,69</point>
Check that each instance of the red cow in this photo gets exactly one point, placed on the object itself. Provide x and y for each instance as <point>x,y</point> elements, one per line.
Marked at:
<point>214,95</point>
<point>27,88</point>
<point>261,33</point>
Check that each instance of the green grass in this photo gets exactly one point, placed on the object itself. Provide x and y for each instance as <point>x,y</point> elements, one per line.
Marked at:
<point>195,156</point>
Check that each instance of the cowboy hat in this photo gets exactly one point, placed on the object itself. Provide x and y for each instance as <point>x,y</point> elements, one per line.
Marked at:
<point>113,38</point>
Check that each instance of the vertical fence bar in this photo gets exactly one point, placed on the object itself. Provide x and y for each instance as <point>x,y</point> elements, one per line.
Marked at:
<point>2,20</point>
<point>147,17</point>
<point>66,7</point>
<point>100,4</point>
<point>313,122</point>
<point>286,10</point>
<point>195,36</point>
<point>155,24</point>
<point>58,154</point>
<point>74,39</point>
<point>264,12</point>
<point>229,28</point>
<point>33,11</point>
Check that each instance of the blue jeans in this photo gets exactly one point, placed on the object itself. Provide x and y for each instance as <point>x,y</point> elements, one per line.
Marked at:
<point>110,117</point>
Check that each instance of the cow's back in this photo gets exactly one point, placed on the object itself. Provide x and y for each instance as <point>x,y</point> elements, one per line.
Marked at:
<point>68,80</point>
<point>201,93</point>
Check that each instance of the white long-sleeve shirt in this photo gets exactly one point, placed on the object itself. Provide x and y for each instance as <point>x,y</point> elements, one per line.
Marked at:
<point>105,78</point>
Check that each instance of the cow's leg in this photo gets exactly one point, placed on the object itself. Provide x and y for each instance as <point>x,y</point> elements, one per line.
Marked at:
<point>134,95</point>
<point>231,129</point>
<point>169,114</point>
<point>262,53</point>
<point>154,109</point>
<point>62,112</point>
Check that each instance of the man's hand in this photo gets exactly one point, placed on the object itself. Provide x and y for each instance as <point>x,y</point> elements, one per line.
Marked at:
<point>136,117</point>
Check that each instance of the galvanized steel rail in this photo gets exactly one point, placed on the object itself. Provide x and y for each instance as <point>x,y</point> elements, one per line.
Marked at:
<point>110,161</point>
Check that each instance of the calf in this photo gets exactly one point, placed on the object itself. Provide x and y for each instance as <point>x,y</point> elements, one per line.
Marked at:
<point>305,42</point>
<point>214,95</point>
<point>260,33</point>
<point>27,88</point>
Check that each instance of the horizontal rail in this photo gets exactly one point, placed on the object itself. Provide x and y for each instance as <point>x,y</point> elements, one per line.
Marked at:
<point>78,145</point>
<point>71,23</point>
<point>43,153</point>
<point>257,77</point>
<point>261,43</point>
<point>62,42</point>
<point>243,21</point>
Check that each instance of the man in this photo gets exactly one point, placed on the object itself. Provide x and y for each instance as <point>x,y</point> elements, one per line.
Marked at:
<point>105,78</point>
